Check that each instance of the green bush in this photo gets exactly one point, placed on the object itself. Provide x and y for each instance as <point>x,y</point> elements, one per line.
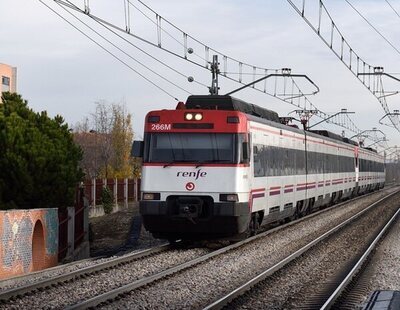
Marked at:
<point>38,158</point>
<point>107,200</point>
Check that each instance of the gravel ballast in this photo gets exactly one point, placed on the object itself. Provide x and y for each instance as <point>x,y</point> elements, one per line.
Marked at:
<point>81,289</point>
<point>236,266</point>
<point>197,287</point>
<point>307,281</point>
<point>381,273</point>
<point>146,241</point>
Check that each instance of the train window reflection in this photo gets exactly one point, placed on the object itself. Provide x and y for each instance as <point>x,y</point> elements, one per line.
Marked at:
<point>192,147</point>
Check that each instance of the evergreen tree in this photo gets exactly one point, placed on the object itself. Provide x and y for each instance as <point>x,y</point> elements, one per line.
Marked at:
<point>38,158</point>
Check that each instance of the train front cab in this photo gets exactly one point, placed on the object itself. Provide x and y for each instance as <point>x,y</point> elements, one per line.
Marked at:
<point>193,184</point>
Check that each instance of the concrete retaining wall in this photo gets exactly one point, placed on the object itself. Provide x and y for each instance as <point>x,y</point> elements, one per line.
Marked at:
<point>28,241</point>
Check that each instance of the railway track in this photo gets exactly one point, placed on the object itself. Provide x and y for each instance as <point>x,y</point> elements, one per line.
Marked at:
<point>15,296</point>
<point>380,275</point>
<point>187,276</point>
<point>360,263</point>
<point>325,286</point>
<point>83,272</point>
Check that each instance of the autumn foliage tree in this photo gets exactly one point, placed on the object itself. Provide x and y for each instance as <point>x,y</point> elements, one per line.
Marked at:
<point>39,161</point>
<point>106,139</point>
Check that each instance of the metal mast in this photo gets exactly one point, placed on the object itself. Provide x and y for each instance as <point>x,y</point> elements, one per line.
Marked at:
<point>214,71</point>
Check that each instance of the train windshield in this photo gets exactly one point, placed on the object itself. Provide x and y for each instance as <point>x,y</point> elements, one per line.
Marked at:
<point>192,147</point>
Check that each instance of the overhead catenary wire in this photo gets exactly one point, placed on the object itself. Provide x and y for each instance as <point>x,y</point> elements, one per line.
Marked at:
<point>122,51</point>
<point>109,52</point>
<point>373,27</point>
<point>394,10</point>
<point>208,49</point>
<point>322,115</point>
<point>198,41</point>
<point>158,24</point>
<point>64,2</point>
<point>203,65</point>
<point>286,98</point>
<point>363,71</point>
<point>135,46</point>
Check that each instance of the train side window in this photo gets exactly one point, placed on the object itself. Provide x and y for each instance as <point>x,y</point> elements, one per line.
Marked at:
<point>301,162</point>
<point>293,162</point>
<point>277,161</point>
<point>258,166</point>
<point>287,166</point>
<point>270,162</point>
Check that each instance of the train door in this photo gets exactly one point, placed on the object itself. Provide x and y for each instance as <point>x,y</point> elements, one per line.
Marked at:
<point>356,164</point>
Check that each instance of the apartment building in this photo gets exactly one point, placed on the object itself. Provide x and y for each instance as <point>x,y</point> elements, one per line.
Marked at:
<point>8,78</point>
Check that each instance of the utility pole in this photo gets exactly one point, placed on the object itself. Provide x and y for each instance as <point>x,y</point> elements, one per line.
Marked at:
<point>214,71</point>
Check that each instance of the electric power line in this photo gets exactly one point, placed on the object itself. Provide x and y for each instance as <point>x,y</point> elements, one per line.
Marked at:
<point>143,51</point>
<point>394,10</point>
<point>363,71</point>
<point>109,52</point>
<point>108,26</point>
<point>122,51</point>
<point>373,27</point>
<point>158,44</point>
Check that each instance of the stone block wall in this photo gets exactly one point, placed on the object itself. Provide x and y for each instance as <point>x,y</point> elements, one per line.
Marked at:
<point>28,241</point>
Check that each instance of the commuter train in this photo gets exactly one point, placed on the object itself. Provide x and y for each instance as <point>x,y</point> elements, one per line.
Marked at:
<point>218,167</point>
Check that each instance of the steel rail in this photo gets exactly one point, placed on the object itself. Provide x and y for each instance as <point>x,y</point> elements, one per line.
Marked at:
<point>32,275</point>
<point>113,294</point>
<point>223,301</point>
<point>338,291</point>
<point>20,291</point>
<point>24,289</point>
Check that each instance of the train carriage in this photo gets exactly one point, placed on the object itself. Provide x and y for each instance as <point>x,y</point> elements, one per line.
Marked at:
<point>218,167</point>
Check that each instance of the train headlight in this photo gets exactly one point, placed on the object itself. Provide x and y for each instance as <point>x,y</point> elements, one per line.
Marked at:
<point>229,197</point>
<point>193,116</point>
<point>151,196</point>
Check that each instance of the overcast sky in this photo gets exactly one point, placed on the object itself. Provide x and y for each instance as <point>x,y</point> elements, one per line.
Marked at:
<point>63,72</point>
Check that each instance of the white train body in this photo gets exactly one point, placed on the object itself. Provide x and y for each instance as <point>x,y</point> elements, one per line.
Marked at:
<point>229,172</point>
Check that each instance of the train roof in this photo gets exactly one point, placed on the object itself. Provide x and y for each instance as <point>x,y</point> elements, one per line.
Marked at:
<point>229,103</point>
<point>327,133</point>
<point>370,149</point>
<point>217,102</point>
<point>334,136</point>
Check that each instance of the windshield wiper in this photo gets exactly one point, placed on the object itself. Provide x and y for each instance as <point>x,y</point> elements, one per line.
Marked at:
<point>213,161</point>
<point>198,164</point>
<point>178,161</point>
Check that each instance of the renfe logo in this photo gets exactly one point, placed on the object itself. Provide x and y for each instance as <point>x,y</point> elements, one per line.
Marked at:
<point>190,186</point>
<point>193,174</point>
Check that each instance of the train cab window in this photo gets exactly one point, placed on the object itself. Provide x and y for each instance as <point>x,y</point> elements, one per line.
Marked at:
<point>191,147</point>
<point>243,143</point>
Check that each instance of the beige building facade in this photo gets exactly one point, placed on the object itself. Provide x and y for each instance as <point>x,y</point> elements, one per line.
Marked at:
<point>8,78</point>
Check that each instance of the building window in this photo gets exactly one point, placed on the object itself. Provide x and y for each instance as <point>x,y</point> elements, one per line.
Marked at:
<point>5,80</point>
